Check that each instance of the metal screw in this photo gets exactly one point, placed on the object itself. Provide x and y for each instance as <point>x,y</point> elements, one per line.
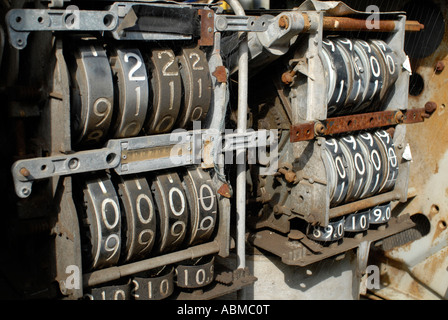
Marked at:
<point>73,163</point>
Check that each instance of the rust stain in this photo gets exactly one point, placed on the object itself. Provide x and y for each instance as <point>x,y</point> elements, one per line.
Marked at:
<point>429,271</point>
<point>220,74</point>
<point>429,145</point>
<point>429,141</point>
<point>357,122</point>
<point>224,190</point>
<point>414,290</point>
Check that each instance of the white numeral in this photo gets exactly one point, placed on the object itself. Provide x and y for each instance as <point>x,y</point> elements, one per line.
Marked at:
<point>134,69</point>
<point>340,167</point>
<point>102,114</point>
<point>139,209</point>
<point>377,214</point>
<point>375,69</point>
<point>116,213</point>
<point>196,61</point>
<point>182,199</point>
<point>166,73</point>
<point>377,164</point>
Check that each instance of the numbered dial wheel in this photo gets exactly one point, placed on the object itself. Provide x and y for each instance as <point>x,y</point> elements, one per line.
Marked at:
<point>173,212</point>
<point>357,167</point>
<point>338,75</point>
<point>139,214</point>
<point>373,73</point>
<point>132,92</point>
<point>196,273</point>
<point>112,292</point>
<point>377,162</point>
<point>357,222</point>
<point>154,284</point>
<point>333,232</point>
<point>197,85</point>
<point>92,95</point>
<point>356,81</point>
<point>389,64</point>
<point>380,214</point>
<point>337,164</point>
<point>386,142</point>
<point>203,205</point>
<point>103,222</point>
<point>166,92</point>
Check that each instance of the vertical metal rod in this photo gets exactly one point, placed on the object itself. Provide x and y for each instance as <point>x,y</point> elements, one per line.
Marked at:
<point>243,70</point>
<point>241,155</point>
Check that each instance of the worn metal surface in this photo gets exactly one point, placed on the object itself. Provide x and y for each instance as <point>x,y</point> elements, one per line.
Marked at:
<point>297,193</point>
<point>67,241</point>
<point>331,279</point>
<point>303,252</point>
<point>417,270</point>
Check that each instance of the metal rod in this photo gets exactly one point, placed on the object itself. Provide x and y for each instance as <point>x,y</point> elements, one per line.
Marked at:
<point>243,71</point>
<point>351,24</point>
<point>364,204</point>
<point>101,276</point>
<point>242,127</point>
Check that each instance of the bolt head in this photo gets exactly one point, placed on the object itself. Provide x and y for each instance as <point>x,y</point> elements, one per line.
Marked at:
<point>430,107</point>
<point>319,128</point>
<point>287,78</point>
<point>25,172</point>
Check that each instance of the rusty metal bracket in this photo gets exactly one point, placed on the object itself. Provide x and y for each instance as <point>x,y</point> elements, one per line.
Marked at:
<point>207,27</point>
<point>310,130</point>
